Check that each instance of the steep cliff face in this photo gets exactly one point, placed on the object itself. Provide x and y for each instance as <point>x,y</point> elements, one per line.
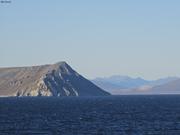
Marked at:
<point>48,80</point>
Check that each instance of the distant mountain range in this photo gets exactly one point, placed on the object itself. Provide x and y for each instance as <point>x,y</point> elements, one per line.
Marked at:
<point>47,80</point>
<point>127,85</point>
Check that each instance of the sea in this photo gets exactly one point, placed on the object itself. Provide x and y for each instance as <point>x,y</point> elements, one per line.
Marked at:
<point>111,115</point>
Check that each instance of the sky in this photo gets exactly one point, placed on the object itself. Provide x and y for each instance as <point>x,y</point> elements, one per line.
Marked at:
<point>98,38</point>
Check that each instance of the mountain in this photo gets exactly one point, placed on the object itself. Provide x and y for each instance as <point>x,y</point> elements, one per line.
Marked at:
<point>47,80</point>
<point>119,82</point>
<point>172,87</point>
<point>127,85</point>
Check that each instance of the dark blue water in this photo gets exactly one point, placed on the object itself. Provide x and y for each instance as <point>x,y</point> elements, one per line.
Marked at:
<point>114,115</point>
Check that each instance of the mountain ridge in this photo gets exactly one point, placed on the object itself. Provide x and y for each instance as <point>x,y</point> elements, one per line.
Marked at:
<point>127,85</point>
<point>57,79</point>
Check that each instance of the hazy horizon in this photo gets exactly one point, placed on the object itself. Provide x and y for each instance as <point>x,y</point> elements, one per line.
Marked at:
<point>97,38</point>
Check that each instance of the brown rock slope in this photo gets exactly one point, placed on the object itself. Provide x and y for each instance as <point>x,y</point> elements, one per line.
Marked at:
<point>48,80</point>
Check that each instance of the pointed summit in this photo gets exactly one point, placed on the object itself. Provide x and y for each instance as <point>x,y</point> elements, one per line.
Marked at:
<point>61,63</point>
<point>58,79</point>
<point>63,67</point>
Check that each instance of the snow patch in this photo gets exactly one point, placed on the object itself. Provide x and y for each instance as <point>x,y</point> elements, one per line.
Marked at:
<point>66,91</point>
<point>76,93</point>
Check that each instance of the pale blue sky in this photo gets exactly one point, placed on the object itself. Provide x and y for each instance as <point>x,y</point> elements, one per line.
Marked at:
<point>96,37</point>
